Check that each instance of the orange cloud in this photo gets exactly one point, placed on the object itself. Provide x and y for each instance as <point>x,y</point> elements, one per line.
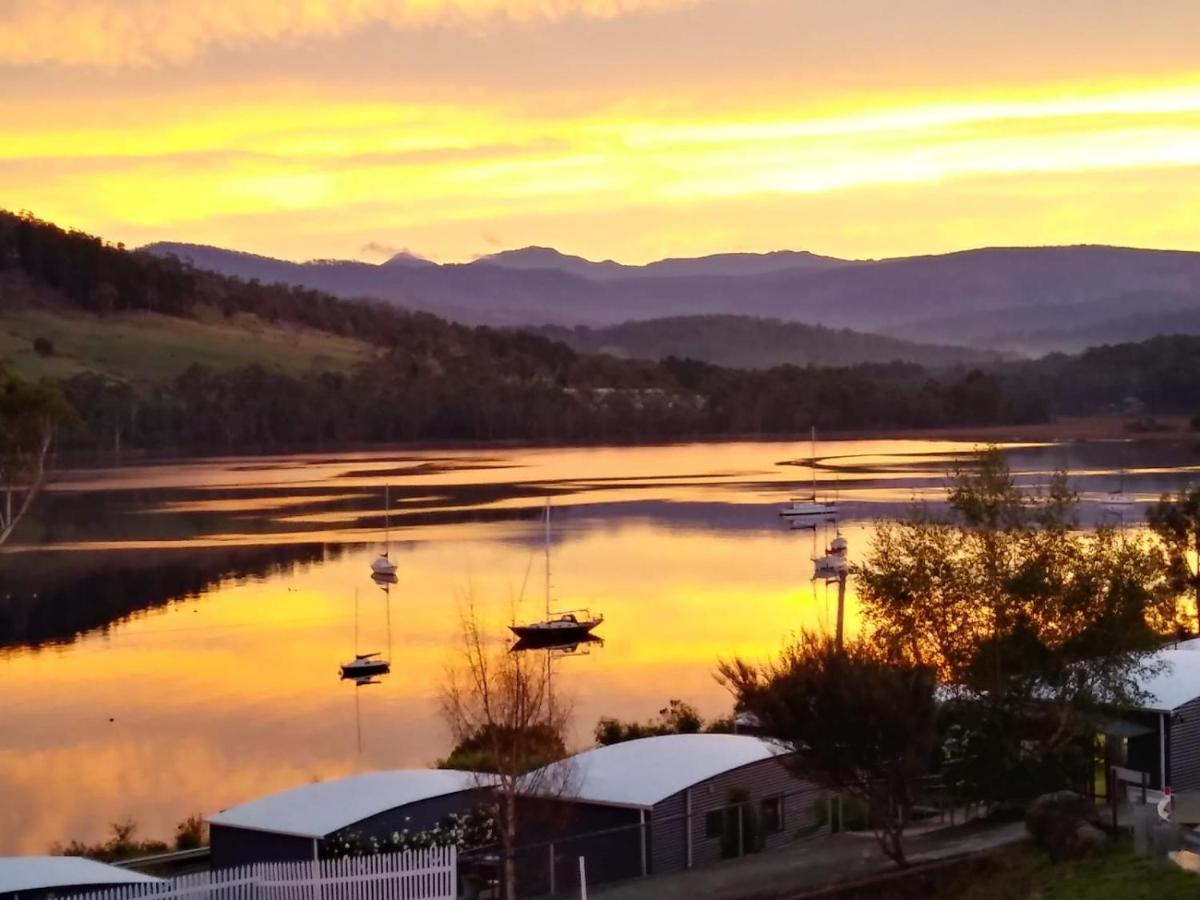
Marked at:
<point>115,33</point>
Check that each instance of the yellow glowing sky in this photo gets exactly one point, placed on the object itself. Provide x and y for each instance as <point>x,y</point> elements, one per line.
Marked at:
<point>630,129</point>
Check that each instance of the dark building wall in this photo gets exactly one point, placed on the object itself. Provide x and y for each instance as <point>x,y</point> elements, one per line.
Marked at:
<point>572,826</point>
<point>241,846</point>
<point>1183,763</point>
<point>1144,752</point>
<point>419,816</point>
<point>756,782</point>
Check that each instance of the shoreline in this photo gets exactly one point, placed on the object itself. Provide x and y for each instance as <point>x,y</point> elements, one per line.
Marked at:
<point>1067,429</point>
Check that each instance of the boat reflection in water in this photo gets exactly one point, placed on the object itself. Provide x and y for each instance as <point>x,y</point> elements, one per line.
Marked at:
<point>578,646</point>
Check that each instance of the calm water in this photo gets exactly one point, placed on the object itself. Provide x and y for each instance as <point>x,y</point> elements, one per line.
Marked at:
<point>170,633</point>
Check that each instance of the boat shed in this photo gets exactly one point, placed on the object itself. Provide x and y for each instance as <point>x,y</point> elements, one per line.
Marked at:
<point>661,804</point>
<point>41,877</point>
<point>291,825</point>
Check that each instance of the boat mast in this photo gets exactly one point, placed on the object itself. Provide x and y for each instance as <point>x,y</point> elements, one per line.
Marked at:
<point>356,623</point>
<point>387,528</point>
<point>813,460</point>
<point>547,553</point>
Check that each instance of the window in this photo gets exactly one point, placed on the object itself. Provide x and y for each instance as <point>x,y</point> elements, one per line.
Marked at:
<point>772,814</point>
<point>714,823</point>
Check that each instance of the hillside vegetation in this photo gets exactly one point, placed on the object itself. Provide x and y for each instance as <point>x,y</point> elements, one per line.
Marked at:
<point>422,378</point>
<point>988,298</point>
<point>146,347</point>
<point>744,342</point>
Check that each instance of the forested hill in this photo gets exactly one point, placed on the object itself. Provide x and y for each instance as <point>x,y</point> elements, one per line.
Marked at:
<point>427,379</point>
<point>745,342</point>
<point>1025,300</point>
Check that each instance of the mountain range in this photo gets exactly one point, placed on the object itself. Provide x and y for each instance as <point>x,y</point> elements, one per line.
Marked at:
<point>1018,299</point>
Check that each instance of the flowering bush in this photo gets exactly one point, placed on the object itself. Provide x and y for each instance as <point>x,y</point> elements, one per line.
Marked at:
<point>466,831</point>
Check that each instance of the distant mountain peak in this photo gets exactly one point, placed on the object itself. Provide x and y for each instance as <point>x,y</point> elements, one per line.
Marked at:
<point>404,258</point>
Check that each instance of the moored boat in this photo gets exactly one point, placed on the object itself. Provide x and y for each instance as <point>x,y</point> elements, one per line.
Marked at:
<point>365,664</point>
<point>810,506</point>
<point>560,628</point>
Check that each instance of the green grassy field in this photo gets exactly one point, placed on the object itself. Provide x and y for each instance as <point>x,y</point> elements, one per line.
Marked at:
<point>150,348</point>
<point>1024,873</point>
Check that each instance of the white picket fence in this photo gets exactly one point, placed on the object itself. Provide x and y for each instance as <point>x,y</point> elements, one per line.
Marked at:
<point>418,875</point>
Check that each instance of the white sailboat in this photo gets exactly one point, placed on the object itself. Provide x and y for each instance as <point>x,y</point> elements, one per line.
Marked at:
<point>1118,501</point>
<point>568,627</point>
<point>382,564</point>
<point>836,561</point>
<point>810,506</point>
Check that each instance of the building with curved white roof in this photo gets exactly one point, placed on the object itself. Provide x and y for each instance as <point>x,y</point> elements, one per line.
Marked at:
<point>33,877</point>
<point>645,772</point>
<point>289,825</point>
<point>662,804</point>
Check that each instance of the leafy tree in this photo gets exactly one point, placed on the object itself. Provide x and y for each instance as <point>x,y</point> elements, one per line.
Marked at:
<point>30,416</point>
<point>859,723</point>
<point>496,747</point>
<point>677,717</point>
<point>1176,521</point>
<point>123,842</point>
<point>1033,625</point>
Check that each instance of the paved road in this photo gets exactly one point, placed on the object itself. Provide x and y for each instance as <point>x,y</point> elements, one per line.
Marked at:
<point>809,866</point>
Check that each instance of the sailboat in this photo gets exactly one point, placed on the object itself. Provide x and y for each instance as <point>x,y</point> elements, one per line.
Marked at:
<point>835,563</point>
<point>562,628</point>
<point>383,564</point>
<point>1118,501</point>
<point>810,506</point>
<point>366,664</point>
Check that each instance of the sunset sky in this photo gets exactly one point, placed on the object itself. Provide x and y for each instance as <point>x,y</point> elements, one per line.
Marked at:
<point>630,129</point>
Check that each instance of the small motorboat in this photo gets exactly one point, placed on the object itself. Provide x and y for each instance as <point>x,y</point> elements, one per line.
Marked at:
<point>364,665</point>
<point>560,628</point>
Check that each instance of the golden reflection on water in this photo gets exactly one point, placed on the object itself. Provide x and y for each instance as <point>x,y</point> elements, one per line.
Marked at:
<point>214,700</point>
<point>220,700</point>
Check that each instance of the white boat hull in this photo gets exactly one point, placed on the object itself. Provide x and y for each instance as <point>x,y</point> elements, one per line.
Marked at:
<point>797,510</point>
<point>383,566</point>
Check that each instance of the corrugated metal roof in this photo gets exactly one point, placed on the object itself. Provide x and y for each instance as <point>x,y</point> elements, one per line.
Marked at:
<point>644,772</point>
<point>315,810</point>
<point>33,873</point>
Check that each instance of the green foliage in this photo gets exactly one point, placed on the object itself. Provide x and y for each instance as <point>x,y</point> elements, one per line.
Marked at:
<point>677,717</point>
<point>30,416</point>
<point>151,349</point>
<point>861,723</point>
<point>498,748</point>
<point>1115,874</point>
<point>1176,521</point>
<point>1035,625</point>
<point>746,342</point>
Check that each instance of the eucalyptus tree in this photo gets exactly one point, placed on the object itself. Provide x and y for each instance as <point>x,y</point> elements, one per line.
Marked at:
<point>1176,521</point>
<point>1034,626</point>
<point>31,414</point>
